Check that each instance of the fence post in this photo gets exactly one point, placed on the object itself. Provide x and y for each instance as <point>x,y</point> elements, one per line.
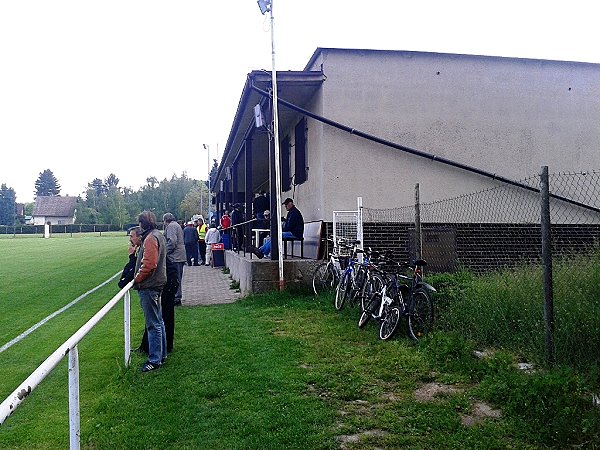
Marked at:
<point>74,418</point>
<point>547,265</point>
<point>359,226</point>
<point>126,326</point>
<point>418,236</point>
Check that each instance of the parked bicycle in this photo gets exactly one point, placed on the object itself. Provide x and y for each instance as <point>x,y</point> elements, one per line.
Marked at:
<point>327,275</point>
<point>402,295</point>
<point>357,281</point>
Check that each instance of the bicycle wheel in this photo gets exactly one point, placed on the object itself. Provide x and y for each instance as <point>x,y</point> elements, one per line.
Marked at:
<point>370,309</point>
<point>357,287</point>
<point>389,322</point>
<point>342,291</point>
<point>324,279</point>
<point>420,315</point>
<point>374,285</point>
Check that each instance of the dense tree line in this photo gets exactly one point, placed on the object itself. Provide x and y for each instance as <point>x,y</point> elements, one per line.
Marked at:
<point>105,202</point>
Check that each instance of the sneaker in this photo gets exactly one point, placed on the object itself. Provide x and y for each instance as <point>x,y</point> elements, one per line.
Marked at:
<point>207,264</point>
<point>148,366</point>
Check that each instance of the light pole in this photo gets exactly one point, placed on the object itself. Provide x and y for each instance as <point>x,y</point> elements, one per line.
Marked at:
<point>207,148</point>
<point>267,6</point>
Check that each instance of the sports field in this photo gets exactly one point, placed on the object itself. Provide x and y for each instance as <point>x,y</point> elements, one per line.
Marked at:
<point>41,276</point>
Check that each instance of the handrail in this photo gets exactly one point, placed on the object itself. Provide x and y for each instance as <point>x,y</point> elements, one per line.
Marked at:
<point>69,347</point>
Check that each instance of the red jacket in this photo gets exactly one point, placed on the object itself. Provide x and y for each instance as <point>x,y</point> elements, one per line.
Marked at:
<point>225,221</point>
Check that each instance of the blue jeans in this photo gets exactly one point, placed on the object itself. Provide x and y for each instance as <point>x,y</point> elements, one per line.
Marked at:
<point>157,337</point>
<point>266,247</point>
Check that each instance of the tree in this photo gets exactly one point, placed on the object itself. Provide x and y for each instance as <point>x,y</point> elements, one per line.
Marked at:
<point>47,185</point>
<point>7,205</point>
<point>190,204</point>
<point>111,181</point>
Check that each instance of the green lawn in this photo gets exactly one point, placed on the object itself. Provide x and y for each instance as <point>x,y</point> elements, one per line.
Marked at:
<point>278,371</point>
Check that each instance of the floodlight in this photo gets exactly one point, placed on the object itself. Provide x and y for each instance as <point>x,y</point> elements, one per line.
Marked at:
<point>264,5</point>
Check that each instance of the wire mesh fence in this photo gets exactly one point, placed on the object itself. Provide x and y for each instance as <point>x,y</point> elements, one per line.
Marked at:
<point>484,252</point>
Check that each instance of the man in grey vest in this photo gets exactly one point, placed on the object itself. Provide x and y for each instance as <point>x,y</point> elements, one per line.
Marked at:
<point>175,249</point>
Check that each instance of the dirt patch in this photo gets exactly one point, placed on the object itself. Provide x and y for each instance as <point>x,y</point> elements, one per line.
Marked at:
<point>431,391</point>
<point>355,438</point>
<point>479,413</point>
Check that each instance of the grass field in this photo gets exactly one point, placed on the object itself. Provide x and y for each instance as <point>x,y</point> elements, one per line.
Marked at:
<point>278,371</point>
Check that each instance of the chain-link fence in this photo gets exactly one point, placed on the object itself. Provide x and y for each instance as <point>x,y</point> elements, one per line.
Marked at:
<point>484,254</point>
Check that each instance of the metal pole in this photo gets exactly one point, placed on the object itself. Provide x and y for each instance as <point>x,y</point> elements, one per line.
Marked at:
<point>359,226</point>
<point>74,420</point>
<point>547,266</point>
<point>277,158</point>
<point>418,236</point>
<point>127,326</point>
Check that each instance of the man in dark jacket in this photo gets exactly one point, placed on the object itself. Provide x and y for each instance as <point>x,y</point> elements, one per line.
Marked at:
<point>149,280</point>
<point>190,239</point>
<point>293,228</point>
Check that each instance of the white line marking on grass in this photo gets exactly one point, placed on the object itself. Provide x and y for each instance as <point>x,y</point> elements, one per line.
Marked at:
<point>54,314</point>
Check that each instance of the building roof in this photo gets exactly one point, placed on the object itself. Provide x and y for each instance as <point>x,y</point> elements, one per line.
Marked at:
<point>55,206</point>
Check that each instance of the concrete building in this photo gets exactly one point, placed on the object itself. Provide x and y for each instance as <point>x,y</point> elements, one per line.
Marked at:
<point>373,123</point>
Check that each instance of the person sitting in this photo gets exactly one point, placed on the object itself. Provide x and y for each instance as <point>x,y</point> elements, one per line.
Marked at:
<point>293,228</point>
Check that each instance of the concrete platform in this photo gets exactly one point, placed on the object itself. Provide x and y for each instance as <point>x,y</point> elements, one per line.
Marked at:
<point>262,275</point>
<point>204,285</point>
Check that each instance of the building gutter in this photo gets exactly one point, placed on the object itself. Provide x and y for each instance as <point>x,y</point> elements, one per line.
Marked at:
<point>419,153</point>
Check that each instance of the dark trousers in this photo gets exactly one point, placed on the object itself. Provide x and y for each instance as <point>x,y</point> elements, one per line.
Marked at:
<point>202,247</point>
<point>191,252</point>
<point>167,301</point>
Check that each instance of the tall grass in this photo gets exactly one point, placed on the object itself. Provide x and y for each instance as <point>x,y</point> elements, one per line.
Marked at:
<point>506,310</point>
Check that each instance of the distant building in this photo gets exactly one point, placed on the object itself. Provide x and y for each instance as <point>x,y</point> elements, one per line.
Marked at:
<point>56,210</point>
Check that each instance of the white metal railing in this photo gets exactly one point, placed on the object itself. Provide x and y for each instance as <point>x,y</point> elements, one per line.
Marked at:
<point>69,347</point>
<point>349,224</point>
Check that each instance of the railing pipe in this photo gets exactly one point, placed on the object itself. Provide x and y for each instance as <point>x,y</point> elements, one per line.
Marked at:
<point>8,406</point>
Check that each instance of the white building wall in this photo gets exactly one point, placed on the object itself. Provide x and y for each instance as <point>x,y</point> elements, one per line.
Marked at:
<point>502,115</point>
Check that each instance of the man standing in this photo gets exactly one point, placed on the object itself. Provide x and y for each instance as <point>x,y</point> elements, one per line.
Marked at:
<point>260,205</point>
<point>149,280</point>
<point>175,249</point>
<point>190,239</point>
<point>292,228</point>
<point>202,229</point>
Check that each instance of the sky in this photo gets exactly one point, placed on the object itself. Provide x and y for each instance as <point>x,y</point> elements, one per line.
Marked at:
<point>138,87</point>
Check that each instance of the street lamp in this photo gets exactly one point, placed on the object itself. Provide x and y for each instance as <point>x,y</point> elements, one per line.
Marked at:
<point>207,148</point>
<point>267,6</point>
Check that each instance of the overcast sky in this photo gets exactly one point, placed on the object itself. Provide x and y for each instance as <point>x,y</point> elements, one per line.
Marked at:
<point>136,87</point>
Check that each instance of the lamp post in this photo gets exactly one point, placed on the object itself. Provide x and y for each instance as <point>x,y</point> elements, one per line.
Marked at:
<point>267,6</point>
<point>207,148</point>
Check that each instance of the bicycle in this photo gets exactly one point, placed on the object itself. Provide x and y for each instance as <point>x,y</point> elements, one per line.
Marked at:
<point>389,304</point>
<point>357,281</point>
<point>327,274</point>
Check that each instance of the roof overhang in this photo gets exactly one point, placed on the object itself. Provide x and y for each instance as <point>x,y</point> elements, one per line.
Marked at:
<point>295,87</point>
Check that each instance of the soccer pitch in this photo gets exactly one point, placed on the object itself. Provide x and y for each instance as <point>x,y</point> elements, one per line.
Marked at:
<point>41,276</point>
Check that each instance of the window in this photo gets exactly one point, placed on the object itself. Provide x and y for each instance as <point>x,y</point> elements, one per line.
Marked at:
<point>300,152</point>
<point>286,182</point>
